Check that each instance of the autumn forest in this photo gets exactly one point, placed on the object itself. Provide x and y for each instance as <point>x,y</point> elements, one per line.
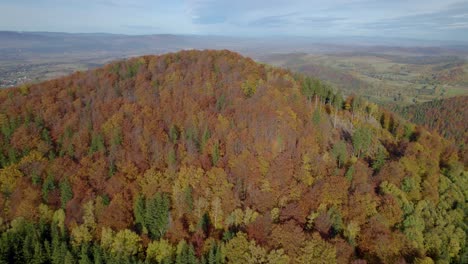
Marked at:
<point>209,157</point>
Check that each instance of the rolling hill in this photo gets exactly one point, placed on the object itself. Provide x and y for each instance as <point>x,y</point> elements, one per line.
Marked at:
<point>210,157</point>
<point>448,117</point>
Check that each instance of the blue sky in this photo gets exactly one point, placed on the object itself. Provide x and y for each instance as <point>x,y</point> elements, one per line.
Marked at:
<point>419,19</point>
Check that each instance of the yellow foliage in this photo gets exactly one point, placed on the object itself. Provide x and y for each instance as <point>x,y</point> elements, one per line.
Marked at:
<point>9,177</point>
<point>154,181</point>
<point>112,124</point>
<point>45,212</point>
<point>122,243</point>
<point>24,89</point>
<point>223,125</point>
<point>159,250</point>
<point>306,175</point>
<point>275,214</point>
<point>33,156</point>
<point>80,235</point>
<point>3,119</point>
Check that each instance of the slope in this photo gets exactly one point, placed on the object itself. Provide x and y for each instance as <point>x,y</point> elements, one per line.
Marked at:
<point>449,117</point>
<point>206,156</point>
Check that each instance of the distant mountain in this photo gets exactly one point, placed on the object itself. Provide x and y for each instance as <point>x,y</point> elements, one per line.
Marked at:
<point>210,157</point>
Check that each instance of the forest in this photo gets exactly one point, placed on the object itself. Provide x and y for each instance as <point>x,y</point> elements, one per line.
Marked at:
<point>448,117</point>
<point>210,157</point>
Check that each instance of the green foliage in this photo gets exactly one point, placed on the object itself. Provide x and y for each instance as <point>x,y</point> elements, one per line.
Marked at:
<point>379,160</point>
<point>157,215</point>
<point>362,139</point>
<point>249,87</point>
<point>97,144</point>
<point>152,215</point>
<point>159,251</point>
<point>204,139</point>
<point>278,180</point>
<point>48,186</point>
<point>132,68</point>
<point>308,88</point>
<point>139,213</point>
<point>174,134</point>
<point>221,103</point>
<point>171,157</point>
<point>112,168</point>
<point>122,244</point>
<point>185,254</point>
<point>316,117</point>
<point>349,173</point>
<point>340,153</point>
<point>215,154</point>
<point>66,192</point>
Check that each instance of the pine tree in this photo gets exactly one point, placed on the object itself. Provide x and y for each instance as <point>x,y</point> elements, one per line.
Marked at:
<point>97,255</point>
<point>66,192</point>
<point>157,215</point>
<point>69,259</point>
<point>191,258</point>
<point>84,257</point>
<point>139,213</point>
<point>39,256</point>
<point>47,186</point>
<point>212,256</point>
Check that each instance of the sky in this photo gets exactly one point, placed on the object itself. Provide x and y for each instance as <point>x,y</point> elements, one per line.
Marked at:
<point>416,19</point>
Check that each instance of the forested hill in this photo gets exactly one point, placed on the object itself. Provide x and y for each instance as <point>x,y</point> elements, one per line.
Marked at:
<point>208,157</point>
<point>449,117</point>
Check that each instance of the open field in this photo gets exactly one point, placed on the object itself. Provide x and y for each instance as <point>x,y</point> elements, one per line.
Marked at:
<point>384,77</point>
<point>382,73</point>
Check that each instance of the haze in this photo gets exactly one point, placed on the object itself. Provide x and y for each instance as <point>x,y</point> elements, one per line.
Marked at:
<point>418,19</point>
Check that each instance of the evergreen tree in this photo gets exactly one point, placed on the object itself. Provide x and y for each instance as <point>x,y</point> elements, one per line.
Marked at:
<point>362,139</point>
<point>139,213</point>
<point>47,186</point>
<point>340,153</point>
<point>66,192</point>
<point>69,259</point>
<point>157,215</point>
<point>97,144</point>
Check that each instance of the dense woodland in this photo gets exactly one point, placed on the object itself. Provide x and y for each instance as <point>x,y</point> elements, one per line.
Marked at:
<point>448,117</point>
<point>209,157</point>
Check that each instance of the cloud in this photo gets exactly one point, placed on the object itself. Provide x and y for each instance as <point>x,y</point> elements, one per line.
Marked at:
<point>141,27</point>
<point>273,21</point>
<point>398,18</point>
<point>450,17</point>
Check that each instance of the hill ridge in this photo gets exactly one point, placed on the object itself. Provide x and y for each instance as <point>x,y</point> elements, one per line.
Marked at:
<point>209,155</point>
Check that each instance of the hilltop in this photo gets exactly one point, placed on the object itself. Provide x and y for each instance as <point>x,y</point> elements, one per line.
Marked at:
<point>209,157</point>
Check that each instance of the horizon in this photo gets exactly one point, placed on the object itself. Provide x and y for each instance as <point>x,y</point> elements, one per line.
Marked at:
<point>416,20</point>
<point>349,40</point>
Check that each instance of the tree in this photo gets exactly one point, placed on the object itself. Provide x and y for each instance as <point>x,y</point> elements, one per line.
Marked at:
<point>237,250</point>
<point>66,192</point>
<point>215,154</point>
<point>124,243</point>
<point>139,213</point>
<point>174,134</point>
<point>340,152</point>
<point>379,160</point>
<point>317,251</point>
<point>97,143</point>
<point>362,139</point>
<point>249,87</point>
<point>47,186</point>
<point>159,251</point>
<point>157,215</point>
